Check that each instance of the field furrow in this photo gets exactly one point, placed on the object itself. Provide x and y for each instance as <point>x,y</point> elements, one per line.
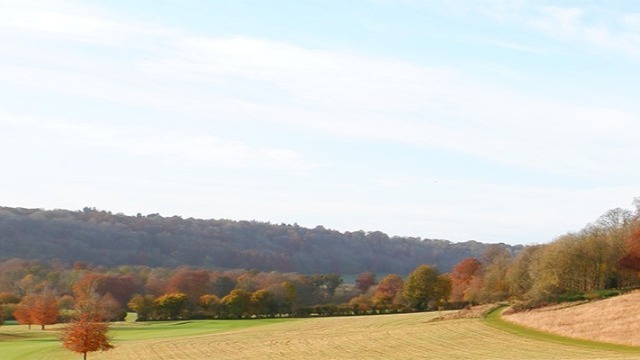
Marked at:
<point>407,336</point>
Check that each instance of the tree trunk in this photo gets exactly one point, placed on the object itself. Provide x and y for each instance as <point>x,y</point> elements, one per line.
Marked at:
<point>84,356</point>
<point>42,327</point>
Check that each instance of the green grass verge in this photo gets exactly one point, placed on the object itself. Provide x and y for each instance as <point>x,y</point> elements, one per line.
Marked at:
<point>19,343</point>
<point>167,329</point>
<point>494,319</point>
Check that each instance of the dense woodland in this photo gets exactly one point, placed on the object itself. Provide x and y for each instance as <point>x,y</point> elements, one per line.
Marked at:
<point>600,260</point>
<point>103,238</point>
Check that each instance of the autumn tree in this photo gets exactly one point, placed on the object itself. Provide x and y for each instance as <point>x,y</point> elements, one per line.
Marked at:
<point>290,297</point>
<point>94,298</point>
<point>631,258</point>
<point>263,302</point>
<point>210,304</point>
<point>237,303</point>
<point>22,313</point>
<point>223,285</point>
<point>425,288</point>
<point>9,298</point>
<point>442,290</point>
<point>388,293</point>
<point>332,281</point>
<point>45,309</point>
<point>461,276</point>
<point>143,305</point>
<point>496,261</point>
<point>193,283</point>
<point>171,306</point>
<point>286,296</point>
<point>40,309</point>
<point>110,309</point>
<point>360,304</point>
<point>119,287</point>
<point>85,335</point>
<point>365,280</point>
<point>92,286</point>
<point>520,277</point>
<point>325,285</point>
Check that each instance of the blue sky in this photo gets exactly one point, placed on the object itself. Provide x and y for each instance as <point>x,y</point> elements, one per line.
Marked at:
<point>498,121</point>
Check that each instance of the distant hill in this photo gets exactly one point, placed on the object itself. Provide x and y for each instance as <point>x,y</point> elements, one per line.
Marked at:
<point>103,238</point>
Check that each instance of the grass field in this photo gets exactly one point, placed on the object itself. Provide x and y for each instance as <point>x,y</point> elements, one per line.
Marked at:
<point>602,320</point>
<point>405,336</point>
<point>17,342</point>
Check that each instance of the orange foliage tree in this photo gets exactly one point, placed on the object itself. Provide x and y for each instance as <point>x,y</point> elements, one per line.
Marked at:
<point>365,280</point>
<point>631,259</point>
<point>86,335</point>
<point>45,309</point>
<point>193,283</point>
<point>94,293</point>
<point>388,294</point>
<point>462,276</point>
<point>40,309</point>
<point>22,314</point>
<point>171,306</point>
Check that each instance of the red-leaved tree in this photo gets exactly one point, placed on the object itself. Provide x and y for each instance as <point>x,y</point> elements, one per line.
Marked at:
<point>462,276</point>
<point>631,259</point>
<point>40,309</point>
<point>22,314</point>
<point>365,280</point>
<point>86,335</point>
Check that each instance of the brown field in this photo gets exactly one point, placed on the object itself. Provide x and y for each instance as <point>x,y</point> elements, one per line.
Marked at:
<point>406,336</point>
<point>614,320</point>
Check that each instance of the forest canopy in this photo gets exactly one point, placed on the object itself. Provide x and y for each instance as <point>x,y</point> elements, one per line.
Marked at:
<point>107,239</point>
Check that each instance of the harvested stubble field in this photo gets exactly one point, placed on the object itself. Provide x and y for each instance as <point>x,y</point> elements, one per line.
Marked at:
<point>405,336</point>
<point>614,320</point>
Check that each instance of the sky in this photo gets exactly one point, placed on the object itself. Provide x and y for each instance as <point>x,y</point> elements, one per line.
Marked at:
<point>492,120</point>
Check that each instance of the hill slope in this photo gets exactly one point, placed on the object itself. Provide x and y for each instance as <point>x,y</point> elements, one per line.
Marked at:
<point>103,238</point>
<point>615,320</point>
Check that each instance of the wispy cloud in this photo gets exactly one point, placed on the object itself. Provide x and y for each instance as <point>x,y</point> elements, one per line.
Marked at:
<point>600,25</point>
<point>168,149</point>
<point>185,102</point>
<point>351,95</point>
<point>69,20</point>
<point>511,45</point>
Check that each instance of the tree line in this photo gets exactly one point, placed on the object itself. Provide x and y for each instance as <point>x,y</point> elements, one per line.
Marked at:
<point>599,260</point>
<point>106,239</point>
<point>605,255</point>
<point>40,293</point>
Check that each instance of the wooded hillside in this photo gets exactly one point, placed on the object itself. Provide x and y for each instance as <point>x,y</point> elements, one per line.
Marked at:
<point>103,238</point>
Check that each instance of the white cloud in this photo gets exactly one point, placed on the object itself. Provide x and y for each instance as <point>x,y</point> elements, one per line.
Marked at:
<point>68,20</point>
<point>352,95</point>
<point>241,83</point>
<point>153,144</point>
<point>389,100</point>
<point>599,25</point>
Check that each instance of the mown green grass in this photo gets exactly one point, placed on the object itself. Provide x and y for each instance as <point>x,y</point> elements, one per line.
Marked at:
<point>168,329</point>
<point>19,343</point>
